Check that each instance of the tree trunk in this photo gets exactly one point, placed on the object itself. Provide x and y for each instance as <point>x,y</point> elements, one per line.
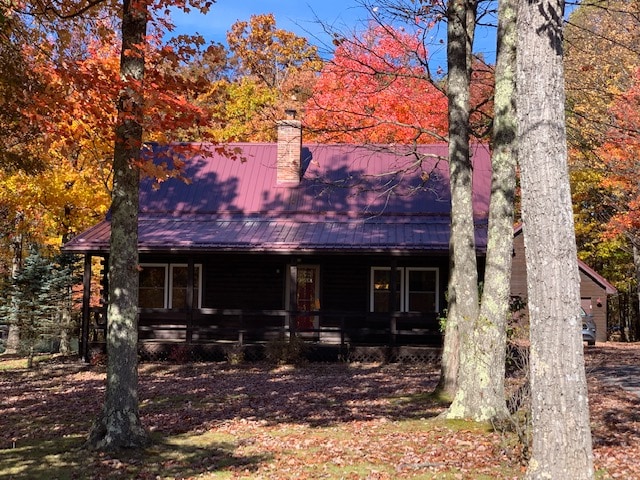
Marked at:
<point>559,404</point>
<point>632,326</point>
<point>119,424</point>
<point>66,304</point>
<point>482,367</point>
<point>13,335</point>
<point>65,327</point>
<point>463,281</point>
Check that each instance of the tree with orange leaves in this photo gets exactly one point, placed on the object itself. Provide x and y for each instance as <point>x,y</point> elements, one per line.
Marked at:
<point>112,93</point>
<point>620,153</point>
<point>620,180</point>
<point>269,70</point>
<point>376,90</point>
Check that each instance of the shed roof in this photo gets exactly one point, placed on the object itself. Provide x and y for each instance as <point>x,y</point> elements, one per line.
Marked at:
<point>584,268</point>
<point>350,198</point>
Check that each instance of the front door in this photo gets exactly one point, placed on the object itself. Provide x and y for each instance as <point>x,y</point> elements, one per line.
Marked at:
<point>307,297</point>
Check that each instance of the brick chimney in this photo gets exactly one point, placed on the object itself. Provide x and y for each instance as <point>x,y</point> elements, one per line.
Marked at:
<point>289,149</point>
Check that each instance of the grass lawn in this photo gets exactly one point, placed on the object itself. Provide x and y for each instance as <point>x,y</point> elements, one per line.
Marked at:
<point>255,421</point>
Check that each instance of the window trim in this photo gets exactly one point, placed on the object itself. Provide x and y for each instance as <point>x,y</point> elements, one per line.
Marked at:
<point>400,308</point>
<point>155,265</point>
<point>403,288</point>
<point>197,288</point>
<point>437,282</point>
<point>168,282</point>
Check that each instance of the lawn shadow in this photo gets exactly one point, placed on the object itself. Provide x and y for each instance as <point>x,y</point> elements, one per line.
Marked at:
<point>618,412</point>
<point>48,411</point>
<point>318,395</point>
<point>48,402</point>
<point>64,458</point>
<point>613,369</point>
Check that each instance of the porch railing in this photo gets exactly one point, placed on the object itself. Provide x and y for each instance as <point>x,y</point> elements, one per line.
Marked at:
<point>244,327</point>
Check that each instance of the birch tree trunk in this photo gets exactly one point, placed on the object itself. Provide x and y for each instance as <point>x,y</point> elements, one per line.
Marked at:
<point>480,394</point>
<point>559,405</point>
<point>463,280</point>
<point>119,425</point>
<point>13,335</point>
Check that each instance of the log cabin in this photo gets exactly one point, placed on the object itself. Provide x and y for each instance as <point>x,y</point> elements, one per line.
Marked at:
<point>343,246</point>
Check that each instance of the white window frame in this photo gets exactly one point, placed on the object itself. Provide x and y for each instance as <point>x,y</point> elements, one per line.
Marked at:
<point>422,269</point>
<point>403,288</point>
<point>166,270</point>
<point>400,308</point>
<point>168,281</point>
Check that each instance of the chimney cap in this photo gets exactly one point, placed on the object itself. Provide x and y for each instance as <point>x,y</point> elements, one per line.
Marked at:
<point>290,113</point>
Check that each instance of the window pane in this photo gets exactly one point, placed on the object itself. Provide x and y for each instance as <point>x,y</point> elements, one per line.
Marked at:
<point>382,290</point>
<point>179,286</point>
<point>151,289</point>
<point>422,281</point>
<point>381,301</point>
<point>381,280</point>
<point>422,291</point>
<point>422,302</point>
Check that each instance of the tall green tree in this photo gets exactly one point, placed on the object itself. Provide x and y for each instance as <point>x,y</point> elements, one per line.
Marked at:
<point>35,297</point>
<point>559,405</point>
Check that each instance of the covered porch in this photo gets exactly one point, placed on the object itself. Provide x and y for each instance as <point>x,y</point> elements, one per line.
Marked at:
<point>342,307</point>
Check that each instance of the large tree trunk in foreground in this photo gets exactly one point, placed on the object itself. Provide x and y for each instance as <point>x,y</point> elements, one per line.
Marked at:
<point>463,282</point>
<point>559,405</point>
<point>481,395</point>
<point>119,424</point>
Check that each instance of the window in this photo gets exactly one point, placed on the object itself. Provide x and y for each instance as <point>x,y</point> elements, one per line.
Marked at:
<point>151,291</point>
<point>165,286</point>
<point>381,290</point>
<point>422,288</point>
<point>416,289</point>
<point>178,292</point>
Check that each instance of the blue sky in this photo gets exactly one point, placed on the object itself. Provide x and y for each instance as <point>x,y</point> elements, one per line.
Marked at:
<point>293,15</point>
<point>303,18</point>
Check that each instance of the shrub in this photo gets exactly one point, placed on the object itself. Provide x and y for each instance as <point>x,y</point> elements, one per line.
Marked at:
<point>285,351</point>
<point>235,354</point>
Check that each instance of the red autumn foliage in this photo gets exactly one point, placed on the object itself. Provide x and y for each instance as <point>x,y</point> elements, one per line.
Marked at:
<point>376,90</point>
<point>620,158</point>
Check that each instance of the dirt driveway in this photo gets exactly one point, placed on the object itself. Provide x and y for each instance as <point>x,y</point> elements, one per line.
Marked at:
<point>615,364</point>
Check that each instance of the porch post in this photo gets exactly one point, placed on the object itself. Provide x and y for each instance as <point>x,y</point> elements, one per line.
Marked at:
<point>293,295</point>
<point>189,299</point>
<point>104,297</point>
<point>86,300</point>
<point>393,287</point>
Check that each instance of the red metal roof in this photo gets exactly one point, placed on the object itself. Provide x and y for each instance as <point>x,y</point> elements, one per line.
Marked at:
<point>350,198</point>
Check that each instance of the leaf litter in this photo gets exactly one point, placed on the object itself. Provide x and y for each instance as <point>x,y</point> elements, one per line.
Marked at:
<point>256,421</point>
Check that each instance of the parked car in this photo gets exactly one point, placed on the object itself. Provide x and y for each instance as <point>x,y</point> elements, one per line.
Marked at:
<point>588,329</point>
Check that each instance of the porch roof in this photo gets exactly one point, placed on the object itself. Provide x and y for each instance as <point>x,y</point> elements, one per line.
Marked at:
<point>161,234</point>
